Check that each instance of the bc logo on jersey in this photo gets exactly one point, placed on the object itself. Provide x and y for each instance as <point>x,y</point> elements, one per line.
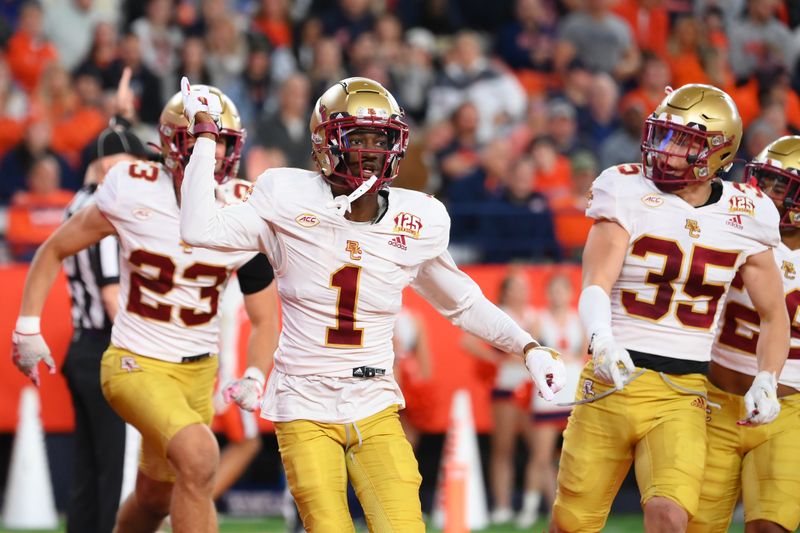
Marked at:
<point>693,227</point>
<point>355,250</point>
<point>788,270</point>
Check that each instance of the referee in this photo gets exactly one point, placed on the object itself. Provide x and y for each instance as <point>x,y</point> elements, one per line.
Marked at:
<point>93,275</point>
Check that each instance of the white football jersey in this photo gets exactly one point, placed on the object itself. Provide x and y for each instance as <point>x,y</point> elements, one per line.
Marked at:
<point>680,260</point>
<point>735,345</point>
<point>169,292</point>
<point>340,285</point>
<point>340,282</point>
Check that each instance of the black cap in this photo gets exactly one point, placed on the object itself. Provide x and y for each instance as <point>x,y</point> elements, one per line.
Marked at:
<point>117,140</point>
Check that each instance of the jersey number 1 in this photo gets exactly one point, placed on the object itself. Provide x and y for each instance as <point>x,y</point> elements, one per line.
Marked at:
<point>345,334</point>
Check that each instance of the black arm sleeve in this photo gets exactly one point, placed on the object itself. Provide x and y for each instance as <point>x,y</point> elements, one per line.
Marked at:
<point>255,275</point>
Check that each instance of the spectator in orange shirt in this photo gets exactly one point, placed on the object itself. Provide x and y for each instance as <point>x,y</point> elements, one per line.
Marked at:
<point>571,224</point>
<point>654,76</point>
<point>34,214</point>
<point>553,172</point>
<point>272,20</point>
<point>649,22</point>
<point>27,51</point>
<point>73,107</point>
<point>685,50</point>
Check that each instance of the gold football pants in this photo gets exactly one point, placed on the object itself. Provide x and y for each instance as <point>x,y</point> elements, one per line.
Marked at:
<point>372,453</point>
<point>763,461</point>
<point>159,399</point>
<point>650,422</point>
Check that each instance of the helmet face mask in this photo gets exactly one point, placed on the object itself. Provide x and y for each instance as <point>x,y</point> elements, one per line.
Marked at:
<point>352,109</point>
<point>177,143</point>
<point>692,134</point>
<point>776,171</point>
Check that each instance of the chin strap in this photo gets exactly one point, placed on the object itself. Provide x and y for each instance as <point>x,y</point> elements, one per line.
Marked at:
<point>342,203</point>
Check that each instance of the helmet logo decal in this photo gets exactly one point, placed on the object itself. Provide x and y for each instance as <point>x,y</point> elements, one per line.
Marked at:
<point>363,112</point>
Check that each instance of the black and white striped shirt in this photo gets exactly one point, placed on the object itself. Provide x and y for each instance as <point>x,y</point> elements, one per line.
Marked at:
<point>89,270</point>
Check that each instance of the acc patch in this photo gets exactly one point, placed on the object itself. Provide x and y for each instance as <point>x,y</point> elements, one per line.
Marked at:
<point>652,200</point>
<point>142,213</point>
<point>307,220</point>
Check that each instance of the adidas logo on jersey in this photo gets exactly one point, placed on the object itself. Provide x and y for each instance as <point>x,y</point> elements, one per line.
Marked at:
<point>399,242</point>
<point>735,222</point>
<point>699,402</point>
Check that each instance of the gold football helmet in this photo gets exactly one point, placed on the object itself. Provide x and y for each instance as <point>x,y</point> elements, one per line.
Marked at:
<point>693,133</point>
<point>350,105</point>
<point>174,135</point>
<point>776,170</point>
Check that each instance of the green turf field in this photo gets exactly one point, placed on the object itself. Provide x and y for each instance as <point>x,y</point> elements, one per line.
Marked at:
<point>616,524</point>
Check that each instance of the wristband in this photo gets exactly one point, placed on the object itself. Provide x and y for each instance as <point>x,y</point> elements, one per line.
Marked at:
<point>206,127</point>
<point>256,374</point>
<point>594,309</point>
<point>28,325</point>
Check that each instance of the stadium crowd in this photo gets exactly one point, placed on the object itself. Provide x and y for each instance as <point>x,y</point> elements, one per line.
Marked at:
<point>516,104</point>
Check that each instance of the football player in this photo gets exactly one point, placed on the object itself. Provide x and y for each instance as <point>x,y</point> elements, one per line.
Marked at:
<point>159,371</point>
<point>762,460</point>
<point>344,245</point>
<point>667,241</point>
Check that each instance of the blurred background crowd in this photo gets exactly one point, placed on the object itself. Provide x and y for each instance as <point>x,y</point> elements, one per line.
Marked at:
<point>515,105</point>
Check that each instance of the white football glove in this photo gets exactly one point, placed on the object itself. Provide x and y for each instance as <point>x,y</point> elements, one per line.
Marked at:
<point>547,370</point>
<point>607,356</point>
<point>199,99</point>
<point>761,401</point>
<point>27,350</point>
<point>247,391</point>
